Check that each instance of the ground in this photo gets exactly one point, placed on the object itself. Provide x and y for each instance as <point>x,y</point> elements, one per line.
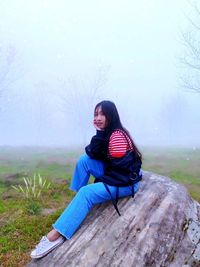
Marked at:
<point>22,224</point>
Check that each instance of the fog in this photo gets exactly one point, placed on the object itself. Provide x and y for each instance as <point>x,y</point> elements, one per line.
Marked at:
<point>68,55</point>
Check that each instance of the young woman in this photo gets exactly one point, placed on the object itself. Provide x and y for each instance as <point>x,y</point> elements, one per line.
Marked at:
<point>113,159</point>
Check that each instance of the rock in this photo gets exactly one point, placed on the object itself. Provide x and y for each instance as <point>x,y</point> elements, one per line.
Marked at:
<point>47,211</point>
<point>160,227</point>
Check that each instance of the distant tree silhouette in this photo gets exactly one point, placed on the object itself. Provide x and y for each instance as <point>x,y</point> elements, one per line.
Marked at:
<point>79,95</point>
<point>10,72</point>
<point>191,58</point>
<point>7,59</point>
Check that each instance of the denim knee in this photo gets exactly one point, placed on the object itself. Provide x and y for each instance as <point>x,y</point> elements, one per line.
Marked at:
<point>83,158</point>
<point>86,195</point>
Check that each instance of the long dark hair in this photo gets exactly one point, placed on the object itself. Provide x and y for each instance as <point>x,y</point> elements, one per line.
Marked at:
<point>113,121</point>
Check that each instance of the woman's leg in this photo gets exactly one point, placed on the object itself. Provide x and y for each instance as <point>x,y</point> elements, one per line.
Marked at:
<point>53,235</point>
<point>75,213</point>
<point>84,167</point>
<point>81,204</point>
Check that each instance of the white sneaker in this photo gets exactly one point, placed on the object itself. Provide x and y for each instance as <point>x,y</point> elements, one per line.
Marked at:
<point>45,246</point>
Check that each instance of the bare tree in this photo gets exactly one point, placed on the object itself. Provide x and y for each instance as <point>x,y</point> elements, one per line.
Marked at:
<point>191,58</point>
<point>172,118</point>
<point>40,110</point>
<point>78,95</point>
<point>7,59</point>
<point>10,69</point>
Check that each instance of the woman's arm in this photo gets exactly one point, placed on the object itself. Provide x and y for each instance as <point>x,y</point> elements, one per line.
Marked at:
<point>118,144</point>
<point>97,147</point>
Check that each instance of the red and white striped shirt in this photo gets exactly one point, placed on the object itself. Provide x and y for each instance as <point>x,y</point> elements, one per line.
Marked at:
<point>119,144</point>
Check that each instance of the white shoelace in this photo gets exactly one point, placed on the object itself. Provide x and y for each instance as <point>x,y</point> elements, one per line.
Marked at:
<point>43,243</point>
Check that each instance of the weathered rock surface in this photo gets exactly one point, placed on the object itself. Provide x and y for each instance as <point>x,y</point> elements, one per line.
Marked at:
<point>160,227</point>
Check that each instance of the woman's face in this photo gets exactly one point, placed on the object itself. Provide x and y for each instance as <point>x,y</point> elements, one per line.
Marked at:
<point>100,119</point>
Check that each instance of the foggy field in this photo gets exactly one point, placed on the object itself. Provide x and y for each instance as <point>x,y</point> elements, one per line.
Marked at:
<point>56,164</point>
<point>20,231</point>
<point>180,164</point>
<point>58,59</point>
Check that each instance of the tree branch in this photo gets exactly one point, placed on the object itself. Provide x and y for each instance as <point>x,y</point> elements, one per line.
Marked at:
<point>190,86</point>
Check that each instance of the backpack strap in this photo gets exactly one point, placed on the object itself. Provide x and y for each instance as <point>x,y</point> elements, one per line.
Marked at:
<point>133,192</point>
<point>114,201</point>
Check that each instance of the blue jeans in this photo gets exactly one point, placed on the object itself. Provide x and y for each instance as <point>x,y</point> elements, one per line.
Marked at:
<point>87,195</point>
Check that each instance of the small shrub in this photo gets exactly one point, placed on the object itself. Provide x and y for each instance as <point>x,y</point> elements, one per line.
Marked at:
<point>32,191</point>
<point>33,186</point>
<point>33,208</point>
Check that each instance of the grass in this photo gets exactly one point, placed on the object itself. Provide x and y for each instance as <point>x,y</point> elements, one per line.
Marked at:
<point>20,231</point>
<point>180,164</point>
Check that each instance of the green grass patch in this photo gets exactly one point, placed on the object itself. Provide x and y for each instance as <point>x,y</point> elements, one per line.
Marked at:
<point>20,230</point>
<point>180,164</point>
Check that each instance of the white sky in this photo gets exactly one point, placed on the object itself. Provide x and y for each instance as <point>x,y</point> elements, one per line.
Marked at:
<point>137,40</point>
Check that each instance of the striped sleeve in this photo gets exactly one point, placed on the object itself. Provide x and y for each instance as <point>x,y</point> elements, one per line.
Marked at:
<point>118,144</point>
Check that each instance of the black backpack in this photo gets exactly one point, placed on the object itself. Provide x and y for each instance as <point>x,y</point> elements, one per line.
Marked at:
<point>119,172</point>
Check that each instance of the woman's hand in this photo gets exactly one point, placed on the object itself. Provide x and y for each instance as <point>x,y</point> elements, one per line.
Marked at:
<point>96,126</point>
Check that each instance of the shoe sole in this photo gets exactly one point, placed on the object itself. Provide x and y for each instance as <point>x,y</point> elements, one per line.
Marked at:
<point>48,251</point>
